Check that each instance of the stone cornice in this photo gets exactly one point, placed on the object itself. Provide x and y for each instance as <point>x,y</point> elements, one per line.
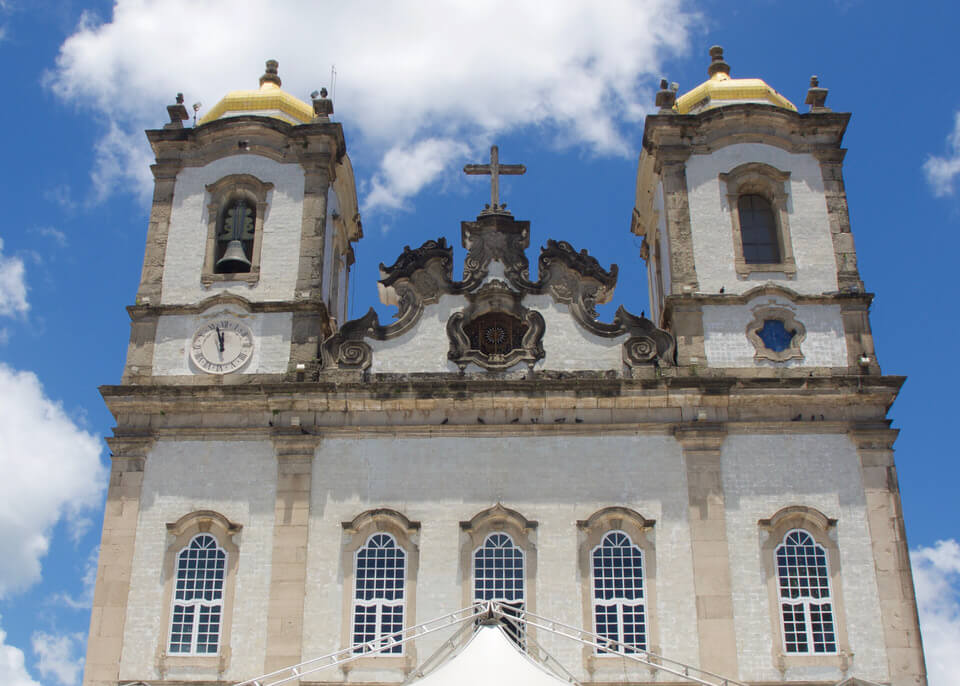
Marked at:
<point>305,144</point>
<point>836,298</point>
<point>139,312</point>
<point>749,122</point>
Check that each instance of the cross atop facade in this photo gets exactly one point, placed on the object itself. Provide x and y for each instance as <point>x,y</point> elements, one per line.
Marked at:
<point>495,169</point>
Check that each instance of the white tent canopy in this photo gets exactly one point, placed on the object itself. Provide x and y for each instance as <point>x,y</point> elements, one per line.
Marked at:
<point>490,657</point>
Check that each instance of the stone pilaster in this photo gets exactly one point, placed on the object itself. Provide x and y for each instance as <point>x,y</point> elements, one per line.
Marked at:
<point>831,169</point>
<point>683,272</point>
<point>309,328</point>
<point>151,278</point>
<point>710,552</point>
<point>109,611</point>
<point>891,555</point>
<point>289,567</point>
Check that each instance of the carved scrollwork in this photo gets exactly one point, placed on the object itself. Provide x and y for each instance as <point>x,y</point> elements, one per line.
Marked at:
<point>420,276</point>
<point>495,332</point>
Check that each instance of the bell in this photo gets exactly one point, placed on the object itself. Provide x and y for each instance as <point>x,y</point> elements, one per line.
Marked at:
<point>234,259</point>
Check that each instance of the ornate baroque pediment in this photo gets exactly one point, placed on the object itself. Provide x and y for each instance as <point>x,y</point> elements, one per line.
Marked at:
<point>495,330</point>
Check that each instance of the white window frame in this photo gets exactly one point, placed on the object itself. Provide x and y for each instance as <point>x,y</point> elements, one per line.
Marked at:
<point>619,603</point>
<point>806,603</point>
<point>197,603</point>
<point>521,603</point>
<point>379,603</point>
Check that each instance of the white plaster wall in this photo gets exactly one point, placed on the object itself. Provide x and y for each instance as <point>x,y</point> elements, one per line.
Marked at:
<point>236,479</point>
<point>271,333</point>
<point>713,233</point>
<point>764,473</point>
<point>567,345</point>
<point>727,345</point>
<point>280,249</point>
<point>424,347</point>
<point>443,481</point>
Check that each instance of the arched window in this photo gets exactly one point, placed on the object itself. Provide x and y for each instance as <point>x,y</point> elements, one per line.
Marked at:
<point>806,604</point>
<point>197,611</point>
<point>235,233</point>
<point>378,600</point>
<point>498,574</point>
<point>758,230</point>
<point>619,605</point>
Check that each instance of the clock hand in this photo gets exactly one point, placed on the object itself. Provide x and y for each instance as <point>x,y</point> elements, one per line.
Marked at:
<point>220,338</point>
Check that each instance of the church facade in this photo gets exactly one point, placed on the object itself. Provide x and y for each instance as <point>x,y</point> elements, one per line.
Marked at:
<point>714,484</point>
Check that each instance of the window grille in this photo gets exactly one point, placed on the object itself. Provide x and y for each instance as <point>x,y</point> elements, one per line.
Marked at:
<point>378,596</point>
<point>498,571</point>
<point>619,605</point>
<point>806,605</point>
<point>198,598</point>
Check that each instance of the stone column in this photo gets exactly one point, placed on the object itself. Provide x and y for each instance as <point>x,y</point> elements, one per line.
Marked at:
<point>289,567</point>
<point>708,543</point>
<point>891,555</point>
<point>835,193</point>
<point>151,278</point>
<point>109,611</point>
<point>683,272</point>
<point>310,325</point>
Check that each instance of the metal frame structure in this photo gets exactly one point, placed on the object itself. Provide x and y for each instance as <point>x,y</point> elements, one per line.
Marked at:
<point>486,611</point>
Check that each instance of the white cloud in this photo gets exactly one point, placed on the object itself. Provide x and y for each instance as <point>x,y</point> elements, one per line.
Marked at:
<point>13,287</point>
<point>58,237</point>
<point>936,575</point>
<point>51,470</point>
<point>61,195</point>
<point>404,171</point>
<point>408,73</point>
<point>940,171</point>
<point>85,600</point>
<point>57,656</point>
<point>13,672</point>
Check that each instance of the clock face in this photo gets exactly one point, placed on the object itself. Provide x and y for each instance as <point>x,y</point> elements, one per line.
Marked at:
<point>222,346</point>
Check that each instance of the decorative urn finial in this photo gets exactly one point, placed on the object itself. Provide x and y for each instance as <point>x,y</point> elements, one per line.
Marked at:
<point>270,75</point>
<point>717,65</point>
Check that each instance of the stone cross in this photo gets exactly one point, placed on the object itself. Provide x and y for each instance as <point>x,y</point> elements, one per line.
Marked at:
<point>495,169</point>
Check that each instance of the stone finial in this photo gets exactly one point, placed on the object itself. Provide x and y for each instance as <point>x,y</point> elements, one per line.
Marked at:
<point>322,105</point>
<point>178,114</point>
<point>270,75</point>
<point>817,96</point>
<point>717,65</point>
<point>666,96</point>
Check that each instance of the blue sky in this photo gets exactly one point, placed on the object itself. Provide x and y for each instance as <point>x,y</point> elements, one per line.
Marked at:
<point>429,87</point>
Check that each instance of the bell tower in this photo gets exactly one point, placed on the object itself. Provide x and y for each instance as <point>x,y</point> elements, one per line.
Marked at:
<point>249,246</point>
<point>743,211</point>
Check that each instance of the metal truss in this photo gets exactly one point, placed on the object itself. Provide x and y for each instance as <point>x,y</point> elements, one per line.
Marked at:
<point>492,610</point>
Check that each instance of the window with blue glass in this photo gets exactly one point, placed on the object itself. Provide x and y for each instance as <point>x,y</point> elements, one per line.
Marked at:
<point>775,335</point>
<point>198,598</point>
<point>619,606</point>
<point>806,604</point>
<point>498,574</point>
<point>379,594</point>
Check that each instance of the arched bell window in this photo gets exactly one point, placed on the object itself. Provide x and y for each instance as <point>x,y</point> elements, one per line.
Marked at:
<point>758,197</point>
<point>758,229</point>
<point>235,234</point>
<point>236,212</point>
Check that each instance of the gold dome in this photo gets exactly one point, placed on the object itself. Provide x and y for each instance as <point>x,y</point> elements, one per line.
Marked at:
<point>720,90</point>
<point>268,101</point>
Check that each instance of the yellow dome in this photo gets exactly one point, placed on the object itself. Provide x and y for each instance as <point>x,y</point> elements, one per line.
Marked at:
<point>268,101</point>
<point>720,90</point>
